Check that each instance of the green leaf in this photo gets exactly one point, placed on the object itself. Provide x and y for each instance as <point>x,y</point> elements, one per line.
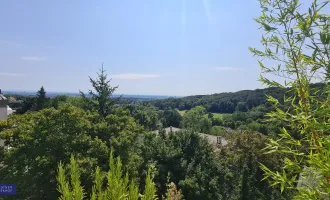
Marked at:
<point>323,38</point>
<point>261,65</point>
<point>267,27</point>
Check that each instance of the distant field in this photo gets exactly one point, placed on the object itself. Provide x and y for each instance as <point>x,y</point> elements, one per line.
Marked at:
<point>182,112</point>
<point>216,115</point>
<point>220,115</point>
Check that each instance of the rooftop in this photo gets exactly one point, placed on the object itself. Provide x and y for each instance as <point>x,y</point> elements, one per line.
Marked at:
<point>2,97</point>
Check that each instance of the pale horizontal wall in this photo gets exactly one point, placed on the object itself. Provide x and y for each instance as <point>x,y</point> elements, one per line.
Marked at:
<point>3,113</point>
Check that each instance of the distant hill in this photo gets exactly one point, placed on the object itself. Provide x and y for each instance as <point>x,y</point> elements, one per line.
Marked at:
<point>226,102</point>
<point>223,102</point>
<point>72,94</point>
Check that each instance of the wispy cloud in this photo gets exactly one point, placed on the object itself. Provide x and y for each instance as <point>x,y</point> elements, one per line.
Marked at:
<point>134,76</point>
<point>33,58</point>
<point>11,74</point>
<point>14,44</point>
<point>232,69</point>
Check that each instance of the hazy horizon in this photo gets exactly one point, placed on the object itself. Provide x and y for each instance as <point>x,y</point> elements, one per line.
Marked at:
<point>117,93</point>
<point>63,92</point>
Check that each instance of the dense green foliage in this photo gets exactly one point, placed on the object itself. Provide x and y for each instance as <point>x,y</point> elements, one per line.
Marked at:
<point>203,173</point>
<point>185,161</point>
<point>170,117</point>
<point>188,159</point>
<point>297,38</point>
<point>40,140</point>
<point>117,184</point>
<point>243,171</point>
<point>223,102</point>
<point>145,114</point>
<point>196,120</point>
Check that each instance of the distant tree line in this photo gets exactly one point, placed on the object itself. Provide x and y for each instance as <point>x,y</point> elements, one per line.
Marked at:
<point>223,102</point>
<point>228,102</point>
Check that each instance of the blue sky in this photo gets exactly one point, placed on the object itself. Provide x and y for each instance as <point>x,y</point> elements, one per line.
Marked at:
<point>163,47</point>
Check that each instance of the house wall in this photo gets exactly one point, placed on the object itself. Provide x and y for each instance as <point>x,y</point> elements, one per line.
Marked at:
<point>3,113</point>
<point>9,111</point>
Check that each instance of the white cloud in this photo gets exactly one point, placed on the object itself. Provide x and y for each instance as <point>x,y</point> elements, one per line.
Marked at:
<point>13,44</point>
<point>33,58</point>
<point>10,74</point>
<point>227,69</point>
<point>134,76</point>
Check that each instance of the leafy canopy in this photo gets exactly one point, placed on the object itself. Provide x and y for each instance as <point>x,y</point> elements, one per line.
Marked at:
<point>117,186</point>
<point>196,120</point>
<point>297,39</point>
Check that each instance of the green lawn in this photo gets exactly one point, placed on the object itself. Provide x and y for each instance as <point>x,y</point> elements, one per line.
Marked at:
<point>182,112</point>
<point>216,115</point>
<point>220,115</point>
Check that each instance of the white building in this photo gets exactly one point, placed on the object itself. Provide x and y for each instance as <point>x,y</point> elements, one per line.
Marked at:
<point>5,110</point>
<point>3,107</point>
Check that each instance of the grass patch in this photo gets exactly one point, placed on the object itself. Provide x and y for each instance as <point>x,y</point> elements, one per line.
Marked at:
<point>219,115</point>
<point>215,115</point>
<point>182,112</point>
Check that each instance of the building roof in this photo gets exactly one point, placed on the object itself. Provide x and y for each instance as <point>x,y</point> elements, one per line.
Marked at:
<point>2,97</point>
